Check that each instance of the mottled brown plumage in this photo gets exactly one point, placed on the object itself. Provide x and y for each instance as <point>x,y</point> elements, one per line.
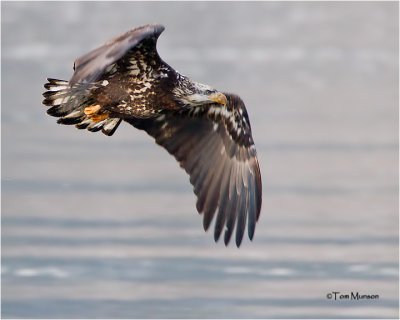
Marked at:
<point>208,132</point>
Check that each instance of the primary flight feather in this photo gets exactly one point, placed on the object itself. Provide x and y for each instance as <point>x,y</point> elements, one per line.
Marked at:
<point>207,131</point>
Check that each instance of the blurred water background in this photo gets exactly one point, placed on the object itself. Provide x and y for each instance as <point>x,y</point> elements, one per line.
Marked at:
<point>106,227</point>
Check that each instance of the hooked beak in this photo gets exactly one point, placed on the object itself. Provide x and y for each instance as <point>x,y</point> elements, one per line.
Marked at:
<point>218,97</point>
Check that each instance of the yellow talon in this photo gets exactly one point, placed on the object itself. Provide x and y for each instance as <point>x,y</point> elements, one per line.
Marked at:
<point>91,110</point>
<point>99,117</point>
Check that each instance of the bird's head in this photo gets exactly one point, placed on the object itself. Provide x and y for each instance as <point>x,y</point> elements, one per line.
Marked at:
<point>194,94</point>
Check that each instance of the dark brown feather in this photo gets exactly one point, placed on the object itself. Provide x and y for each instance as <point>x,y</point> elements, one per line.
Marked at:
<point>92,65</point>
<point>226,202</point>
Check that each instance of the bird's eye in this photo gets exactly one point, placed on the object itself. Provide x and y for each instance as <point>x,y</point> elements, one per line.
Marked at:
<point>208,92</point>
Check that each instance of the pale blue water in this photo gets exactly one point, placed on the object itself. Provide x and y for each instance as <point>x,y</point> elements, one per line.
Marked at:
<point>98,227</point>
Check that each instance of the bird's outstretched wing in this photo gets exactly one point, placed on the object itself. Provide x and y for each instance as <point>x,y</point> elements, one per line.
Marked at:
<point>92,65</point>
<point>215,146</point>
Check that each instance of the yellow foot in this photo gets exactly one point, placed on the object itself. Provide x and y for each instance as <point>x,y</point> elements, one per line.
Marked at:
<point>89,111</point>
<point>99,117</point>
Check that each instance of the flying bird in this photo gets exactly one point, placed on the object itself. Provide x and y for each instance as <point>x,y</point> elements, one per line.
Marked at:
<point>207,131</point>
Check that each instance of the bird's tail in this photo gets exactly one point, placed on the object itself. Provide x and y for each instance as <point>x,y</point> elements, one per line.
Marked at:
<point>71,105</point>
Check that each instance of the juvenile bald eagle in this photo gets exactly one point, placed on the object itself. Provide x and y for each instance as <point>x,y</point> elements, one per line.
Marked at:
<point>208,132</point>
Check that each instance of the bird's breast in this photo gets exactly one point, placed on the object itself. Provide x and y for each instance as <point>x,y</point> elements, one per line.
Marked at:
<point>132,97</point>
